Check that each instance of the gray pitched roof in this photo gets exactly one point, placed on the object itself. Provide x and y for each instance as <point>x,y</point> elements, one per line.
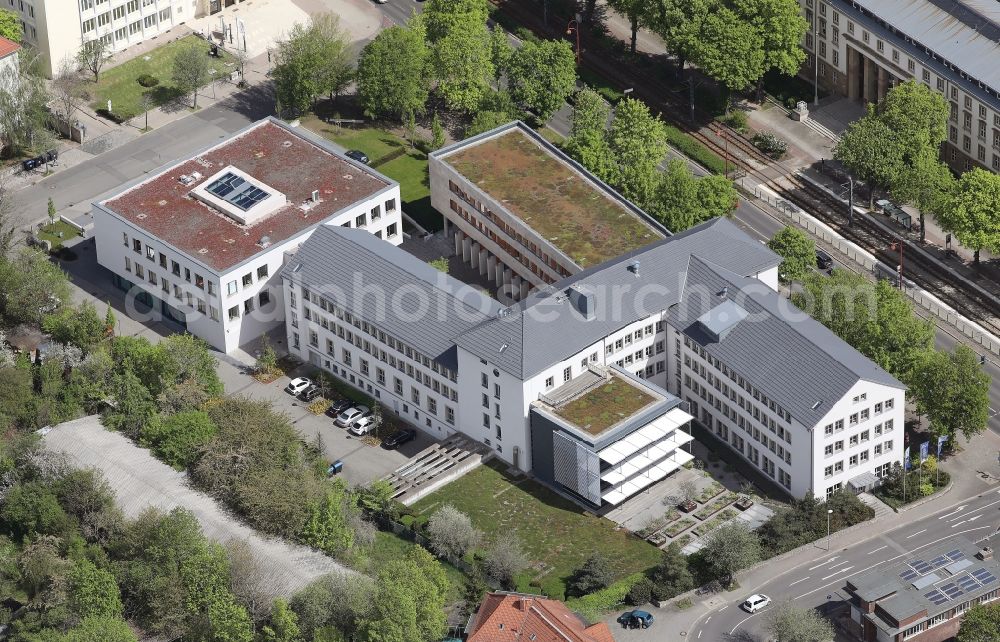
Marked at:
<point>789,356</point>
<point>390,288</point>
<point>545,328</point>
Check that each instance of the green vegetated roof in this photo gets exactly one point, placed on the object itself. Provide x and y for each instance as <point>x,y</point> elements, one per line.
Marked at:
<point>604,405</point>
<point>574,215</point>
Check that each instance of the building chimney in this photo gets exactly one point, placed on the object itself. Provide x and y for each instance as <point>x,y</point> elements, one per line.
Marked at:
<point>315,196</point>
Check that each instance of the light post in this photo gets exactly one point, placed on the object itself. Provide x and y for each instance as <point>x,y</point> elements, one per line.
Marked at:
<point>815,61</point>
<point>829,512</point>
<point>899,270</point>
<point>574,28</point>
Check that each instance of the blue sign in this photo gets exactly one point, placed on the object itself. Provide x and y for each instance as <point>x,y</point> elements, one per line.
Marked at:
<point>924,448</point>
<point>941,440</point>
<point>906,458</point>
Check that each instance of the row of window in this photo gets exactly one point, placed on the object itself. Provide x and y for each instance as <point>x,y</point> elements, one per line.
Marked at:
<point>367,328</point>
<point>751,431</point>
<point>862,437</point>
<point>858,458</point>
<point>747,451</point>
<point>147,22</point>
<point>861,416</point>
<point>738,380</point>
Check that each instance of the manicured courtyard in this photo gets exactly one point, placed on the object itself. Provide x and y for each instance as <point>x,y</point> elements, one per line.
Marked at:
<point>557,534</point>
<point>120,84</point>
<point>392,156</point>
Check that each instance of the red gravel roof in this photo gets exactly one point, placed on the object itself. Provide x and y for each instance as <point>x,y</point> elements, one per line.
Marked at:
<point>7,47</point>
<point>278,158</point>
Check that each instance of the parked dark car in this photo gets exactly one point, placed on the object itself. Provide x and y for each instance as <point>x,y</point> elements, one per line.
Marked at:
<point>338,407</point>
<point>636,619</point>
<point>310,393</point>
<point>400,437</point>
<point>823,260</point>
<point>357,155</point>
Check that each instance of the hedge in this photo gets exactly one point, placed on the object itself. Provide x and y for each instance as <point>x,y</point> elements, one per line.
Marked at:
<point>594,605</point>
<point>687,145</point>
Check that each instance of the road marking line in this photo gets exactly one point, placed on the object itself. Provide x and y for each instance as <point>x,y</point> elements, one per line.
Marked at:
<point>972,519</point>
<point>699,634</point>
<point>824,563</point>
<point>840,564</point>
<point>959,523</point>
<point>843,570</point>
<point>740,623</point>
<point>708,619</point>
<point>957,510</point>
<point>915,534</point>
<point>878,549</point>
<point>797,581</point>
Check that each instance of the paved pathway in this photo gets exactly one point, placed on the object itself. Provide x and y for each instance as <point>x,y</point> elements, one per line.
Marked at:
<point>141,481</point>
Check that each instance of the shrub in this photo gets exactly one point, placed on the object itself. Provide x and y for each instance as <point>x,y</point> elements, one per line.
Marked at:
<point>694,150</point>
<point>595,574</point>
<point>737,119</point>
<point>146,80</point>
<point>770,144</point>
<point>594,605</point>
<point>640,593</point>
<point>452,533</point>
<point>177,439</point>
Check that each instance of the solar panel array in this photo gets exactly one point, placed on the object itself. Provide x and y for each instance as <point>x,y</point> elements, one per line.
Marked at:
<point>955,586</point>
<point>236,190</point>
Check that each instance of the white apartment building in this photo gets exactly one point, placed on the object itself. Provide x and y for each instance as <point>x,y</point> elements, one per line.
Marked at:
<point>57,28</point>
<point>200,242</point>
<point>867,46</point>
<point>529,380</point>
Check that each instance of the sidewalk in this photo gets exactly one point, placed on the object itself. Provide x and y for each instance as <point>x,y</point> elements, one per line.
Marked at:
<point>973,471</point>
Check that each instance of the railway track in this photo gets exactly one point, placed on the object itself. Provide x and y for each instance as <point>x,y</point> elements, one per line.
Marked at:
<point>745,157</point>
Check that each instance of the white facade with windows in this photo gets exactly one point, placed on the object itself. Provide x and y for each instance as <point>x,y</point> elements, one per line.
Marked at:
<point>57,28</point>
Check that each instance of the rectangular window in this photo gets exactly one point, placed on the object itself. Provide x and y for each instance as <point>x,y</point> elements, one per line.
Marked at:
<point>247,279</point>
<point>231,287</point>
<point>360,220</point>
<point>234,312</point>
<point>567,374</point>
<point>390,231</point>
<point>262,272</point>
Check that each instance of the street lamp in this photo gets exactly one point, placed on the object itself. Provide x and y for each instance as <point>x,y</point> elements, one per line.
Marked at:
<point>574,28</point>
<point>898,245</point>
<point>829,512</point>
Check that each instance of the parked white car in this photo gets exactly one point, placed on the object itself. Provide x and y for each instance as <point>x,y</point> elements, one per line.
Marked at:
<point>363,426</point>
<point>351,415</point>
<point>297,385</point>
<point>756,602</point>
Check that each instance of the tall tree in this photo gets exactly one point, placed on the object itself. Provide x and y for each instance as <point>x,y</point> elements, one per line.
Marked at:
<point>69,91</point>
<point>782,29</point>
<point>501,53</point>
<point>871,150</point>
<point>451,533</point>
<point>639,144</point>
<point>729,49</point>
<point>408,605</point>
<point>971,212</point>
<point>595,574</point>
<point>682,201</point>
<point>671,576</point>
<point>30,288</point>
<point>926,183</point>
<point>392,72</point>
<point>730,549</point>
<point>460,45</point>
<point>10,26</point>
<point>981,623</point>
<point>952,390</point>
<point>284,624</point>
<point>588,142</point>
<point>789,623</point>
<point>190,71</point>
<point>100,629</point>
<point>94,55</point>
<point>24,113</point>
<point>541,76</point>
<point>638,13</point>
<point>313,60</point>
<point>917,115</point>
<point>797,251</point>
<point>337,70</point>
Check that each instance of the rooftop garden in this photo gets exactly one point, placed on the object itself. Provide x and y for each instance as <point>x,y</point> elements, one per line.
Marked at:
<point>576,217</point>
<point>605,405</point>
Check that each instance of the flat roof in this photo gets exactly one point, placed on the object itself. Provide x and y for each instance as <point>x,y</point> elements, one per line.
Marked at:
<point>593,403</point>
<point>278,157</point>
<point>586,220</point>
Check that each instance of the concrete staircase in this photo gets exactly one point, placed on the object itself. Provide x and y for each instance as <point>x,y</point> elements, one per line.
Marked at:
<point>436,466</point>
<point>881,508</point>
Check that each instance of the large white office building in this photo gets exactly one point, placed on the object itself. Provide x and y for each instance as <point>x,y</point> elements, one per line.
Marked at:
<point>866,47</point>
<point>200,242</point>
<point>591,381</point>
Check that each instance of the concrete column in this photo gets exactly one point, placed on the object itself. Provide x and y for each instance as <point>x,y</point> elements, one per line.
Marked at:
<point>870,81</point>
<point>459,235</point>
<point>491,268</point>
<point>525,289</point>
<point>466,249</point>
<point>474,255</point>
<point>883,82</point>
<point>483,261</point>
<point>507,276</point>
<point>853,73</point>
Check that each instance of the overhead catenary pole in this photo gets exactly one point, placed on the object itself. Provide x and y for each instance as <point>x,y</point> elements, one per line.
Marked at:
<point>816,62</point>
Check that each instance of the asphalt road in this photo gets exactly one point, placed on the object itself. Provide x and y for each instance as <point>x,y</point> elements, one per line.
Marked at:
<point>819,584</point>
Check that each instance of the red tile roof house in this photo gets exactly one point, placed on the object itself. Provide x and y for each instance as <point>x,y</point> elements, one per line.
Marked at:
<point>8,53</point>
<point>201,240</point>
<point>517,617</point>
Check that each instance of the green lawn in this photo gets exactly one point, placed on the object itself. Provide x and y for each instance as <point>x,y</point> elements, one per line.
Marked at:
<point>551,529</point>
<point>392,156</point>
<point>120,85</point>
<point>51,233</point>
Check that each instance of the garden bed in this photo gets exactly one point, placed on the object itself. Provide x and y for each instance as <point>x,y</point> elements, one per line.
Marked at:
<point>674,529</point>
<point>710,492</point>
<point>716,505</point>
<point>707,527</point>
